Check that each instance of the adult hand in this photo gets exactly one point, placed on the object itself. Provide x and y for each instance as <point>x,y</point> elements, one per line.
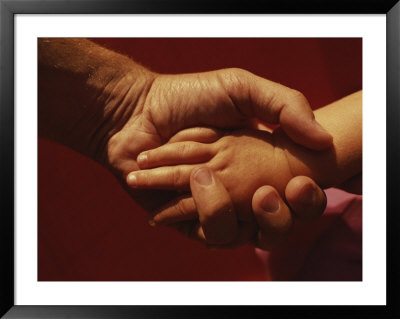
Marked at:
<point>218,227</point>
<point>228,98</point>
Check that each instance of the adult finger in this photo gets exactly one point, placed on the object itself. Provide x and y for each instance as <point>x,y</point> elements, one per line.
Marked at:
<point>214,206</point>
<point>305,197</point>
<point>273,217</point>
<point>276,104</point>
<point>178,210</point>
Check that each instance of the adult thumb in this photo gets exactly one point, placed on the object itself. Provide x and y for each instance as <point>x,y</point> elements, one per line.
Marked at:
<point>274,103</point>
<point>273,218</point>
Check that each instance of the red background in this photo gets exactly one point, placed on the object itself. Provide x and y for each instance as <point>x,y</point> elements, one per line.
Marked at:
<point>90,229</point>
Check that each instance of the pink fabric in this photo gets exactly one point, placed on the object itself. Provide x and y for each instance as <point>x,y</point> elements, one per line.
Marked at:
<point>329,249</point>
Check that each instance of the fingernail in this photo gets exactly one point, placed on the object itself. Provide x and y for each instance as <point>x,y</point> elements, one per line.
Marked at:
<point>132,179</point>
<point>203,176</point>
<point>308,194</point>
<point>142,159</point>
<point>270,203</point>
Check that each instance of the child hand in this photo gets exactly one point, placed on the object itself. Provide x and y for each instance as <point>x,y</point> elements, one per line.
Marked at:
<point>243,160</point>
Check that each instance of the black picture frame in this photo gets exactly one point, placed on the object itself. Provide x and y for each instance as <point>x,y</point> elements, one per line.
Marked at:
<point>8,9</point>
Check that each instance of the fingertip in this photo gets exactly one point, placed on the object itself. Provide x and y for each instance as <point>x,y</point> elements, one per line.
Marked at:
<point>273,217</point>
<point>131,179</point>
<point>265,199</point>
<point>202,176</point>
<point>142,160</point>
<point>309,134</point>
<point>302,189</point>
<point>305,197</point>
<point>323,137</point>
<point>299,123</point>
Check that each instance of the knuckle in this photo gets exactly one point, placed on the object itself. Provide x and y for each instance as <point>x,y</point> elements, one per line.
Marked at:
<point>181,208</point>
<point>184,149</point>
<point>234,79</point>
<point>177,177</point>
<point>148,158</point>
<point>238,79</point>
<point>298,96</point>
<point>237,72</point>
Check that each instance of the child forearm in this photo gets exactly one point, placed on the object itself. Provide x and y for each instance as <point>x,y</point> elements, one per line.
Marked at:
<point>342,119</point>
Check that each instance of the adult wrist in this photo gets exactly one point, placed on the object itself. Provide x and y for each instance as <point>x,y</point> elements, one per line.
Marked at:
<point>86,93</point>
<point>118,103</point>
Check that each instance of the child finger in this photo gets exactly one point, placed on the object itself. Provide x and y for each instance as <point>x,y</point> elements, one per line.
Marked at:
<point>170,177</point>
<point>305,197</point>
<point>198,134</point>
<point>273,217</point>
<point>175,154</point>
<point>177,210</point>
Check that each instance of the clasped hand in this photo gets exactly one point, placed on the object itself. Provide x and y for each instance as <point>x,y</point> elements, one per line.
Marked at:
<point>241,162</point>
